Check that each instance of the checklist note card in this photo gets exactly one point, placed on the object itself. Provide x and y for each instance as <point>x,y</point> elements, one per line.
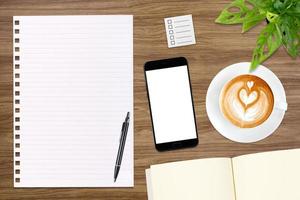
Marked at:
<point>180,31</point>
<point>73,86</point>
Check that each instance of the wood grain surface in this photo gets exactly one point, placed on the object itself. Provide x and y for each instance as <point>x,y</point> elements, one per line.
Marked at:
<point>217,46</point>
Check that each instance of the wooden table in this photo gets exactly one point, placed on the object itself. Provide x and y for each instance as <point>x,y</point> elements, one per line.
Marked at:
<point>217,46</point>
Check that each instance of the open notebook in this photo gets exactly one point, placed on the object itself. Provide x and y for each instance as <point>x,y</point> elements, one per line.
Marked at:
<point>73,85</point>
<point>263,176</point>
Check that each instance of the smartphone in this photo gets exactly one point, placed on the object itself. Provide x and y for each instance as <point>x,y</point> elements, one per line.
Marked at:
<point>171,103</point>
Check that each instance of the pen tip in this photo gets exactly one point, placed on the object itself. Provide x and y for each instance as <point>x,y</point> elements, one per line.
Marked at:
<point>115,180</point>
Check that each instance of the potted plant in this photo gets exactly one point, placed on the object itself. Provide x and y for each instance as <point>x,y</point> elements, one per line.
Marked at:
<point>282,28</point>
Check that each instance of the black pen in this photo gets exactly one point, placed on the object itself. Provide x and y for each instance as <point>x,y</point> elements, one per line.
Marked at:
<point>124,131</point>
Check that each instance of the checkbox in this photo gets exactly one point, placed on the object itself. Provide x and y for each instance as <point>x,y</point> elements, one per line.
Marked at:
<point>170,27</point>
<point>172,42</point>
<point>172,37</point>
<point>171,32</point>
<point>169,21</point>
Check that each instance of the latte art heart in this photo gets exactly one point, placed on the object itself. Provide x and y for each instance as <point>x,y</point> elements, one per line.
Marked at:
<point>246,101</point>
<point>250,84</point>
<point>246,98</point>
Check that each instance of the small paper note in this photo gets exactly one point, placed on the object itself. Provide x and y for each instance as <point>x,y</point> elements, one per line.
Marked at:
<point>180,31</point>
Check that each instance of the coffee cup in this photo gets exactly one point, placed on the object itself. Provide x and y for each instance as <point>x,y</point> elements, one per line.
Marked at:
<point>247,101</point>
<point>246,129</point>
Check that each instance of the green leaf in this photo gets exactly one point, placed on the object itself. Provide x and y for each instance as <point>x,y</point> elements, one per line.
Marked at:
<point>268,41</point>
<point>281,6</point>
<point>289,28</point>
<point>242,11</point>
<point>294,10</point>
<point>234,13</point>
<point>262,4</point>
<point>272,17</point>
<point>252,18</point>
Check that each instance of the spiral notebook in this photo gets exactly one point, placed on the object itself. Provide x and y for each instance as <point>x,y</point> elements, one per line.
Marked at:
<point>73,85</point>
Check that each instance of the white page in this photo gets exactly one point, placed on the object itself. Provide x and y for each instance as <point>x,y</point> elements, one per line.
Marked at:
<point>270,175</point>
<point>76,86</point>
<point>209,179</point>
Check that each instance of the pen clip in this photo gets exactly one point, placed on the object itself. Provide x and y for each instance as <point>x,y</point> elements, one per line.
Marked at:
<point>124,125</point>
<point>122,130</point>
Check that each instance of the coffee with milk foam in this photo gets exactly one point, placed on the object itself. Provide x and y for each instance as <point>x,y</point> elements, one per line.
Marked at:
<point>246,101</point>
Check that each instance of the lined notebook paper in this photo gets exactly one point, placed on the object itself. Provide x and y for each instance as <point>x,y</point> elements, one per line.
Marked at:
<point>73,85</point>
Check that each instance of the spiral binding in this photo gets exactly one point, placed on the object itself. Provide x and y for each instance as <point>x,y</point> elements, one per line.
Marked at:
<point>16,103</point>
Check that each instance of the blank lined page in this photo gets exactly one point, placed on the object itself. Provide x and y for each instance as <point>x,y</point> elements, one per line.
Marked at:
<point>75,86</point>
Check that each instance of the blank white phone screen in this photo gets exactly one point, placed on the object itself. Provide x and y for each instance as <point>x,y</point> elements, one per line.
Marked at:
<point>171,104</point>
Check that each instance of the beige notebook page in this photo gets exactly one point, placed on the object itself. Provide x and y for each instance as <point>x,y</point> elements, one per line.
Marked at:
<point>209,179</point>
<point>271,176</point>
<point>149,184</point>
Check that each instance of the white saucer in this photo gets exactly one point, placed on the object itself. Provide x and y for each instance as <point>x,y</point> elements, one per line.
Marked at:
<point>224,126</point>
